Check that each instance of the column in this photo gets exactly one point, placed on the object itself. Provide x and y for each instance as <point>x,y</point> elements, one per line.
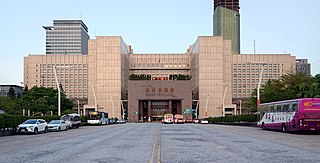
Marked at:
<point>149,110</point>
<point>170,106</point>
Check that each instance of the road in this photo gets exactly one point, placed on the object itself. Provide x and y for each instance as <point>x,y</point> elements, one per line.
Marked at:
<point>155,142</point>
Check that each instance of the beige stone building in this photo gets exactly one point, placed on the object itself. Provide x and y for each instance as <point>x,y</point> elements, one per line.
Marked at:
<point>102,76</point>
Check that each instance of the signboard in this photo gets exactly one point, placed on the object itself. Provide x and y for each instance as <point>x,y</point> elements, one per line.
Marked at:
<point>187,111</point>
<point>159,91</point>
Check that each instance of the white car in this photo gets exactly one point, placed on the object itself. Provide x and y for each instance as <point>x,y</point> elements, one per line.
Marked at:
<point>204,121</point>
<point>57,125</point>
<point>33,126</point>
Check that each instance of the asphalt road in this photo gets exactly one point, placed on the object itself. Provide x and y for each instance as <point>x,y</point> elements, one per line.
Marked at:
<point>155,142</point>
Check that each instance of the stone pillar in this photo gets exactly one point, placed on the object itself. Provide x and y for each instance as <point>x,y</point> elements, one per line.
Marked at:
<point>170,106</point>
<point>149,110</point>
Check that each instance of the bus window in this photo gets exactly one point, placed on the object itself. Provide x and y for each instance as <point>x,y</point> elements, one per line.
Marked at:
<point>286,107</point>
<point>278,108</point>
<point>295,106</point>
<point>271,108</point>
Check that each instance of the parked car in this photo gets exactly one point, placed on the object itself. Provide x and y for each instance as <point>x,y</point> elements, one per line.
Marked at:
<point>204,121</point>
<point>112,120</point>
<point>33,126</point>
<point>180,120</point>
<point>57,125</point>
<point>121,121</point>
<point>196,121</point>
<point>72,120</point>
<point>189,120</point>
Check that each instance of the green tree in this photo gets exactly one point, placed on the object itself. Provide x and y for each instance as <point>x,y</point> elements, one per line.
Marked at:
<point>289,86</point>
<point>44,100</point>
<point>7,105</point>
<point>11,93</point>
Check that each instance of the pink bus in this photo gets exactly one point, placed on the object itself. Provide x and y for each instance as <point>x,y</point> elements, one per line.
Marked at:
<point>290,115</point>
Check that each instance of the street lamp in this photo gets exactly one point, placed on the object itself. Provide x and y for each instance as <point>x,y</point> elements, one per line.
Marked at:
<point>78,106</point>
<point>21,89</point>
<point>207,105</point>
<point>112,106</point>
<point>224,96</point>
<point>58,87</point>
<point>95,98</point>
<point>260,77</point>
<point>196,107</point>
<point>240,106</point>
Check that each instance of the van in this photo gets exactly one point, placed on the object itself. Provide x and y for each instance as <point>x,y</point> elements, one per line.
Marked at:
<point>72,120</point>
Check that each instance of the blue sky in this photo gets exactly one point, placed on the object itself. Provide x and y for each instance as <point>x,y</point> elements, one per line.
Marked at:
<point>159,26</point>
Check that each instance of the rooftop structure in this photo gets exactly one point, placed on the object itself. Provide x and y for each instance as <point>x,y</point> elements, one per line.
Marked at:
<point>67,37</point>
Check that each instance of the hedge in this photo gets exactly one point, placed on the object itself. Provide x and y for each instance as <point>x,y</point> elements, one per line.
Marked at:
<point>8,121</point>
<point>234,118</point>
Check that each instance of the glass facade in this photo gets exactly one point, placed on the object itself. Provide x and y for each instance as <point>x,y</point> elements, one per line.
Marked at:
<point>226,23</point>
<point>67,37</point>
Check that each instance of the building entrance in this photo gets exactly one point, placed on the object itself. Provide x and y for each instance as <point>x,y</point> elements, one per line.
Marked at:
<point>153,110</point>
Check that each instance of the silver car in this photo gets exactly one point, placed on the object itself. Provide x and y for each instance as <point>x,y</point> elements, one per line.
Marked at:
<point>57,125</point>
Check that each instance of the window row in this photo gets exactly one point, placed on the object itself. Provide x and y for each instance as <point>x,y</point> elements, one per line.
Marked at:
<point>245,85</point>
<point>251,81</point>
<point>256,70</point>
<point>63,71</point>
<point>256,65</point>
<point>71,65</point>
<point>164,65</point>
<point>256,75</point>
<point>243,90</point>
<point>64,81</point>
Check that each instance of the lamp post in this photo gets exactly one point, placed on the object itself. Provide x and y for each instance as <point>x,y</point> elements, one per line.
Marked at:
<point>21,89</point>
<point>58,87</point>
<point>196,107</point>
<point>224,96</point>
<point>95,98</point>
<point>78,106</point>
<point>123,117</point>
<point>240,106</point>
<point>207,105</point>
<point>260,77</point>
<point>112,106</point>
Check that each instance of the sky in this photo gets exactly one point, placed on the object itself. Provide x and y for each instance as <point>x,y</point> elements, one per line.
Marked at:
<point>159,26</point>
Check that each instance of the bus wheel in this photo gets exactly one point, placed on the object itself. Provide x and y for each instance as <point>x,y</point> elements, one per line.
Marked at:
<point>263,126</point>
<point>284,128</point>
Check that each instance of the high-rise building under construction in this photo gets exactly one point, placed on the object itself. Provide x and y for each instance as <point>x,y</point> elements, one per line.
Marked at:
<point>226,22</point>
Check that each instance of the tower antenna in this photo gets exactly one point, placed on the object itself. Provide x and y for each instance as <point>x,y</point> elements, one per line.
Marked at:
<point>254,46</point>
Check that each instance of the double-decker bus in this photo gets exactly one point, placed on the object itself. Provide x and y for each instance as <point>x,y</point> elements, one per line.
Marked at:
<point>290,115</point>
<point>167,118</point>
<point>97,118</point>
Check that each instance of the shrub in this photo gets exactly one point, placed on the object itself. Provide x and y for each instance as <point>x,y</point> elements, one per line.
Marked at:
<point>1,122</point>
<point>234,118</point>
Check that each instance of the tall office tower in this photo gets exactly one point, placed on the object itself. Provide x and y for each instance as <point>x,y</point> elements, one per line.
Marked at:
<point>226,22</point>
<point>67,37</point>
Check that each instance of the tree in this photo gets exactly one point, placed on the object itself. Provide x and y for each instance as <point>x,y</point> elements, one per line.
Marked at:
<point>11,93</point>
<point>289,86</point>
<point>44,100</point>
<point>8,105</point>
